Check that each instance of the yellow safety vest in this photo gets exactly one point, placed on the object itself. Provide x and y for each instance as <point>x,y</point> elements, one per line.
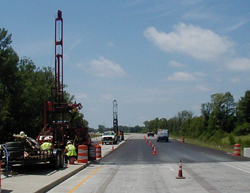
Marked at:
<point>71,150</point>
<point>46,145</point>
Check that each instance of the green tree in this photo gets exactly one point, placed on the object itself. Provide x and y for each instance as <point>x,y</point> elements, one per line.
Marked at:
<point>222,116</point>
<point>9,86</point>
<point>243,109</point>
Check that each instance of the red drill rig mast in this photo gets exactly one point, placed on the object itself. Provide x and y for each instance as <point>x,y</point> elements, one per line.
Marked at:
<point>59,58</point>
<point>55,125</point>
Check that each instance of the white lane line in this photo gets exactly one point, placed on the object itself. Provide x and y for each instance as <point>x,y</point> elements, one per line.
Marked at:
<point>236,166</point>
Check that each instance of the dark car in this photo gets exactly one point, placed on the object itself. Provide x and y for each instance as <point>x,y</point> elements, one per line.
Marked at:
<point>151,133</point>
<point>162,135</point>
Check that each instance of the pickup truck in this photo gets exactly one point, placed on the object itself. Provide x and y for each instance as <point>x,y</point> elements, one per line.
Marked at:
<point>162,136</point>
<point>110,137</point>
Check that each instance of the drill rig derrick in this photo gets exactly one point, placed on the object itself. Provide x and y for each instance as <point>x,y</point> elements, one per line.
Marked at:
<point>56,110</point>
<point>115,117</point>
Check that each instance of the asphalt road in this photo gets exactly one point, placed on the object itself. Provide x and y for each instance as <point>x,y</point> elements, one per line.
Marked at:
<point>134,168</point>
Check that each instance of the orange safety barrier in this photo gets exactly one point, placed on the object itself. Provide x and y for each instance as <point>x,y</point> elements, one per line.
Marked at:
<point>237,150</point>
<point>98,151</point>
<point>82,154</point>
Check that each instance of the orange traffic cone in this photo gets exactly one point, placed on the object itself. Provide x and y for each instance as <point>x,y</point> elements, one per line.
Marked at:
<point>180,172</point>
<point>154,153</point>
<point>113,147</point>
<point>149,143</point>
<point>153,146</point>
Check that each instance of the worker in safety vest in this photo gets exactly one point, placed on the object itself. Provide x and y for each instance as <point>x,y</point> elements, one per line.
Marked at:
<point>47,145</point>
<point>70,151</point>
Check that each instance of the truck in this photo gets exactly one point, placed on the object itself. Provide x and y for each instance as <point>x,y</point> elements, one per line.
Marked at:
<point>109,137</point>
<point>26,150</point>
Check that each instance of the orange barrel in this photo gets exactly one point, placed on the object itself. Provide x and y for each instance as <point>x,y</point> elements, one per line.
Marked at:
<point>82,154</point>
<point>98,151</point>
<point>92,153</point>
<point>182,139</point>
<point>237,150</point>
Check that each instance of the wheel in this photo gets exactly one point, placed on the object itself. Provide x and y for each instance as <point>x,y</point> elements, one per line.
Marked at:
<point>55,163</point>
<point>157,140</point>
<point>62,160</point>
<point>15,154</point>
<point>14,146</point>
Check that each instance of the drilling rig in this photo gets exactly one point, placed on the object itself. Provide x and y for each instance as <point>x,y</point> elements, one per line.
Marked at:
<point>115,121</point>
<point>56,110</point>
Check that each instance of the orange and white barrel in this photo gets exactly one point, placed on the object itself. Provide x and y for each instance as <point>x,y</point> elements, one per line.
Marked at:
<point>82,154</point>
<point>237,151</point>
<point>98,152</point>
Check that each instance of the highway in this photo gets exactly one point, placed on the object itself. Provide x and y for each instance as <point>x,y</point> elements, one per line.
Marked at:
<point>134,168</point>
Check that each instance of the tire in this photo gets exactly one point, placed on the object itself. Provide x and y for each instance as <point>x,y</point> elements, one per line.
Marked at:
<point>62,160</point>
<point>15,154</point>
<point>55,163</point>
<point>14,146</point>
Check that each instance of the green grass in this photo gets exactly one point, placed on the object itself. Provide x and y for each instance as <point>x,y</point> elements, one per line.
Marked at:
<point>224,144</point>
<point>226,148</point>
<point>95,135</point>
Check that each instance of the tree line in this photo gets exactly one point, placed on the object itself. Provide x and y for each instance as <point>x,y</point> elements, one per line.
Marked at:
<point>23,90</point>
<point>221,117</point>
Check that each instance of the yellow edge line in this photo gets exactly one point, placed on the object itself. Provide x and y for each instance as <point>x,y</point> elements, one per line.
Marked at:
<point>84,180</point>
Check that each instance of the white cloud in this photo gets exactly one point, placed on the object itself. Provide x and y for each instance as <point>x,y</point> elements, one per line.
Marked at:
<point>239,64</point>
<point>195,41</point>
<point>203,88</point>
<point>110,44</point>
<point>175,64</point>
<point>236,26</point>
<point>76,43</point>
<point>234,80</point>
<point>107,96</point>
<point>81,96</point>
<point>103,68</point>
<point>181,76</point>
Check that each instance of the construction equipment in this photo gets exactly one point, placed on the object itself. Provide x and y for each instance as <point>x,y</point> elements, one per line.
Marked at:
<point>115,121</point>
<point>25,150</point>
<point>56,110</point>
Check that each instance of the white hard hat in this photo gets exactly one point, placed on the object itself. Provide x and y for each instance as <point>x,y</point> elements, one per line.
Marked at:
<point>69,142</point>
<point>22,133</point>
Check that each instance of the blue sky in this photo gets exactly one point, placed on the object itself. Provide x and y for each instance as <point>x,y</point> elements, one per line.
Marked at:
<point>156,58</point>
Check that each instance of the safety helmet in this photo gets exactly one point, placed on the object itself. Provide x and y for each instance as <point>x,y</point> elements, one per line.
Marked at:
<point>22,133</point>
<point>69,142</point>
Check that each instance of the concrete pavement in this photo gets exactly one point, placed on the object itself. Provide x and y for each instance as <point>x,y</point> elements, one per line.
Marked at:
<point>41,181</point>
